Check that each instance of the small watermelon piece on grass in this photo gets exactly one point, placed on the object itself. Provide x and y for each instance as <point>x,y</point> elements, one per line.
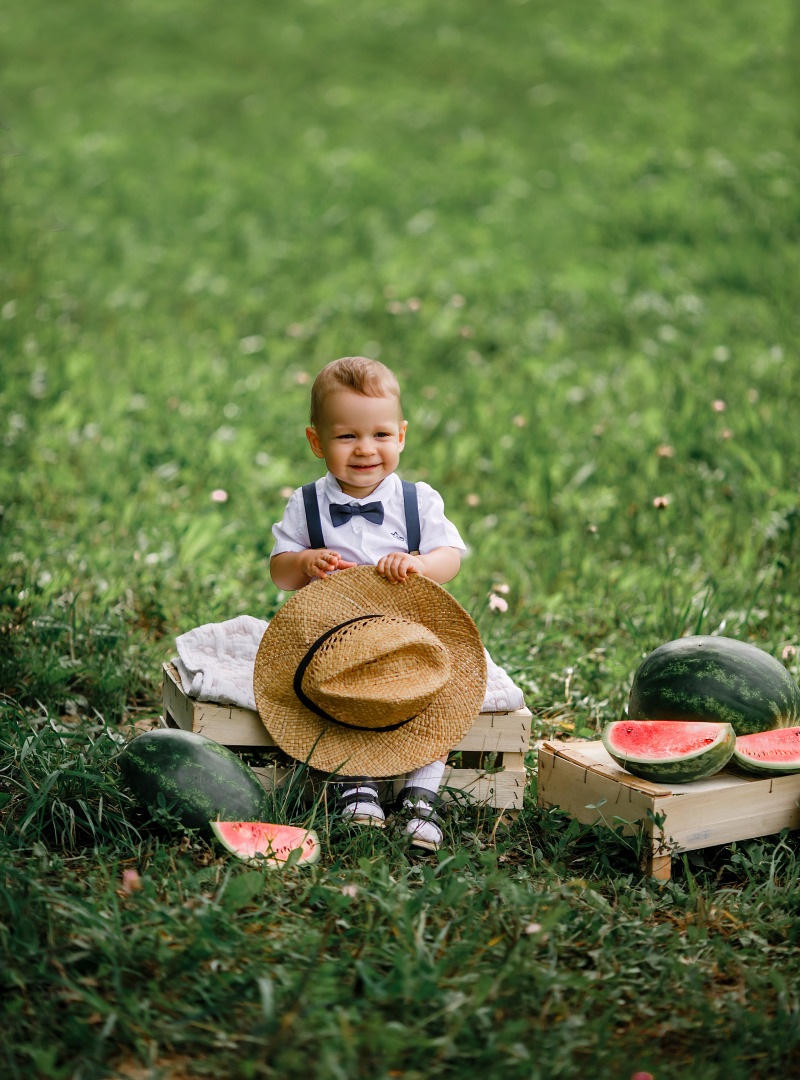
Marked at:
<point>670,751</point>
<point>720,679</point>
<point>264,843</point>
<point>769,753</point>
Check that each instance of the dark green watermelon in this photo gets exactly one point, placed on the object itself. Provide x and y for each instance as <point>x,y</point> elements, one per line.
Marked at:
<point>717,679</point>
<point>200,780</point>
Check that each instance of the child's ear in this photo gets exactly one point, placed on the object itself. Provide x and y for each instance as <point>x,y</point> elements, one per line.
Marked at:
<point>313,439</point>
<point>402,439</point>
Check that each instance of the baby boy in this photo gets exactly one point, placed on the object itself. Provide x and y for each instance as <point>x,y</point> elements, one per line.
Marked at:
<point>361,513</point>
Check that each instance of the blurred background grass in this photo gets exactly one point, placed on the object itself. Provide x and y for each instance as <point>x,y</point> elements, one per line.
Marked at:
<point>573,232</point>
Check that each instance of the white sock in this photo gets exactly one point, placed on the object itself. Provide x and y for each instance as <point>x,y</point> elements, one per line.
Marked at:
<point>429,776</point>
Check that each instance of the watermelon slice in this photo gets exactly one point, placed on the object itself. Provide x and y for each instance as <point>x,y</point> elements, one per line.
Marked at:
<point>670,751</point>
<point>769,753</point>
<point>263,843</point>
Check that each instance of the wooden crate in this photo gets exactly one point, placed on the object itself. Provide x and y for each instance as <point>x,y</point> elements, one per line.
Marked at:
<point>498,742</point>
<point>583,780</point>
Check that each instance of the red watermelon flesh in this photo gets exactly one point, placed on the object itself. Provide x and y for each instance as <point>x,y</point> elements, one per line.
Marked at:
<point>265,843</point>
<point>670,751</point>
<point>769,753</point>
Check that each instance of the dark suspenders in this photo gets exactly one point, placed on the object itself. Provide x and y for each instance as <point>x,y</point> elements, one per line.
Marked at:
<point>410,504</point>
<point>315,537</point>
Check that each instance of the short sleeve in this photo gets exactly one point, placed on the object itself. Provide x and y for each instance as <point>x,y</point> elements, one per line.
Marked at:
<point>291,532</point>
<point>435,528</point>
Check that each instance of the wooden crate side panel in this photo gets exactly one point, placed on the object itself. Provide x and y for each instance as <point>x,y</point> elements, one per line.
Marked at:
<point>231,726</point>
<point>578,790</point>
<point>497,790</point>
<point>759,808</point>
<point>500,790</point>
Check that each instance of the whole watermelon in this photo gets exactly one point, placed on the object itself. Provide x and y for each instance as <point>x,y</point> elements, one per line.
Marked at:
<point>200,780</point>
<point>715,678</point>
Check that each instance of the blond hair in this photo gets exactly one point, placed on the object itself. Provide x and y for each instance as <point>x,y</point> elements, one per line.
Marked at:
<point>368,377</point>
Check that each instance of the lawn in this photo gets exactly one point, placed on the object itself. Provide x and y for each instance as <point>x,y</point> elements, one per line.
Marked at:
<point>573,232</point>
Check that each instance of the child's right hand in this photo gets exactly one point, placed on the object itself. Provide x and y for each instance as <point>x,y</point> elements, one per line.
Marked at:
<point>319,562</point>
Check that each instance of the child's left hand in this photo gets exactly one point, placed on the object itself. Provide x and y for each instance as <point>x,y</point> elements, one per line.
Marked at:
<point>398,565</point>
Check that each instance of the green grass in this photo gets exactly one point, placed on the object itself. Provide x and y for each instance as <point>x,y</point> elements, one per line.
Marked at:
<point>573,231</point>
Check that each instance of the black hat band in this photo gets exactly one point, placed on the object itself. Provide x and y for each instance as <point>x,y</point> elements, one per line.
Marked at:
<point>312,705</point>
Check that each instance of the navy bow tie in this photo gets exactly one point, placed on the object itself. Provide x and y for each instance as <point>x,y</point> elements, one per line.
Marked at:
<point>342,512</point>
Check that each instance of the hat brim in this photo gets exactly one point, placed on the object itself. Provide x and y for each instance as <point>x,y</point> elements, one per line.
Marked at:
<point>331,748</point>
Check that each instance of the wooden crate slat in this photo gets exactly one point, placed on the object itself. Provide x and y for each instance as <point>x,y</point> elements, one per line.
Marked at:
<point>272,776</point>
<point>179,707</point>
<point>494,732</point>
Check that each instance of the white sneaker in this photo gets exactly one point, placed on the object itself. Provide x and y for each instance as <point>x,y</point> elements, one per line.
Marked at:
<point>356,801</point>
<point>423,826</point>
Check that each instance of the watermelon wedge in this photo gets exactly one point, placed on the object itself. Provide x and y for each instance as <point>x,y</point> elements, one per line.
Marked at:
<point>670,751</point>
<point>266,844</point>
<point>769,753</point>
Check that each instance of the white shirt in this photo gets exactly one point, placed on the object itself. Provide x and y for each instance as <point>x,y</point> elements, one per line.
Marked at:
<point>359,540</point>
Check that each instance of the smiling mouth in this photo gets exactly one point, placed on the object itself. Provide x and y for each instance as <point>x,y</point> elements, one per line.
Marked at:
<point>373,466</point>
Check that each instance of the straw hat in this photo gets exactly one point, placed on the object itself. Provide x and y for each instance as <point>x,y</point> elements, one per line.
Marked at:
<point>365,677</point>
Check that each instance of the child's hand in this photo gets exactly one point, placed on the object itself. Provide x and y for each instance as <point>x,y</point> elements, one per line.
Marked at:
<point>398,565</point>
<point>319,562</point>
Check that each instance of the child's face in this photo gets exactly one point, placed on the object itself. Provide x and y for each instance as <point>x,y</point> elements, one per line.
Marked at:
<point>360,438</point>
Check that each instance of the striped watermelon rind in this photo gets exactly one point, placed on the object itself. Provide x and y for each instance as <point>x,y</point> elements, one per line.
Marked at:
<point>265,843</point>
<point>670,751</point>
<point>768,754</point>
<point>716,679</point>
<point>196,779</point>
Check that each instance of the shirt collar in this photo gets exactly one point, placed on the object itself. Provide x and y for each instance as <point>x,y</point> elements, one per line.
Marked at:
<point>385,489</point>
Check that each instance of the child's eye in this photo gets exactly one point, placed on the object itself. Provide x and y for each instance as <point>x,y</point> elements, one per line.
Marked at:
<point>345,436</point>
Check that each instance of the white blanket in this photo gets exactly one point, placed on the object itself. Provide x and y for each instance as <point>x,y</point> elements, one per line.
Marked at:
<point>216,661</point>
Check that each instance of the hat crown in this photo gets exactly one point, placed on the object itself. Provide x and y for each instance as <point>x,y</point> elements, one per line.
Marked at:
<point>377,672</point>
<point>381,740</point>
